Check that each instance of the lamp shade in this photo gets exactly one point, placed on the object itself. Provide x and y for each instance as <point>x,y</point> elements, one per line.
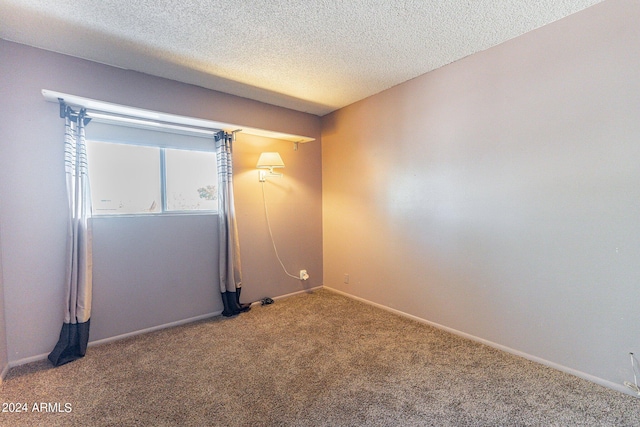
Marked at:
<point>269,160</point>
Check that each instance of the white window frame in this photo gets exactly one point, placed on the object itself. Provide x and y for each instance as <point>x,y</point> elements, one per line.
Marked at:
<point>139,132</point>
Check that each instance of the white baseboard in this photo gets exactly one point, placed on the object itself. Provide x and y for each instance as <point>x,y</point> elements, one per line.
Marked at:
<point>30,359</point>
<point>605,383</point>
<point>304,291</point>
<point>43,356</point>
<point>155,328</point>
<point>39,357</point>
<point>601,381</point>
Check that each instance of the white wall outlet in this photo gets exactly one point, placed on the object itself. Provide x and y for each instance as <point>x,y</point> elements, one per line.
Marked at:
<point>304,275</point>
<point>346,278</point>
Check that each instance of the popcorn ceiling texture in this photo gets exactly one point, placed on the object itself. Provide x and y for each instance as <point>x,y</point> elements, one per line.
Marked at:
<point>310,55</point>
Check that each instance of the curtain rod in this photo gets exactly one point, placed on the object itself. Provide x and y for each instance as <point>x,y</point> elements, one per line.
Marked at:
<point>167,119</point>
<point>135,121</point>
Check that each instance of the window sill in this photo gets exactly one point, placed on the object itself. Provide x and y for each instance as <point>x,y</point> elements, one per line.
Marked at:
<point>155,215</point>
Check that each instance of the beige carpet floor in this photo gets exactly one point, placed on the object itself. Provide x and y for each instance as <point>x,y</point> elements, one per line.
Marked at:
<point>316,359</point>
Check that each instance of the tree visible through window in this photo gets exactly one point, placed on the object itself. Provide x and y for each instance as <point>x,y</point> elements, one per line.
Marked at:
<point>191,180</point>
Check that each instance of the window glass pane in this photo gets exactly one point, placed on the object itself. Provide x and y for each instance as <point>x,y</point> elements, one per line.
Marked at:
<point>125,179</point>
<point>191,180</point>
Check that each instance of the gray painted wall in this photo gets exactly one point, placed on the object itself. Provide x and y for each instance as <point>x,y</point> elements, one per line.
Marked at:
<point>151,271</point>
<point>498,196</point>
<point>148,271</point>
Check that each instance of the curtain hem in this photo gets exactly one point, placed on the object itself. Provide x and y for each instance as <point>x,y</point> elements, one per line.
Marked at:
<point>232,305</point>
<point>72,343</point>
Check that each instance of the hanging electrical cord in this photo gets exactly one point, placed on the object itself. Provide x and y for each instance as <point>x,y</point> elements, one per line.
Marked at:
<point>266,214</point>
<point>635,386</point>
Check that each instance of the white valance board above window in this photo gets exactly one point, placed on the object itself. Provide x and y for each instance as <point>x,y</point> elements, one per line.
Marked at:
<point>116,114</point>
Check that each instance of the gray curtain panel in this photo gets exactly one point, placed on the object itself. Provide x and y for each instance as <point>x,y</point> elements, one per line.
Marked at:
<point>229,254</point>
<point>74,335</point>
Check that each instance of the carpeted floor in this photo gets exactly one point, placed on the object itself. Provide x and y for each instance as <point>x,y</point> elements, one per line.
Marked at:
<point>317,359</point>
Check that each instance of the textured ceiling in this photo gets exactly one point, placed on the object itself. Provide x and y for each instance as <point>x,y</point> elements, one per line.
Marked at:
<point>309,55</point>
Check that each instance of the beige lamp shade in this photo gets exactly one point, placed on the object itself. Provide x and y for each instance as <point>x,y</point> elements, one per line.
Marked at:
<point>270,160</point>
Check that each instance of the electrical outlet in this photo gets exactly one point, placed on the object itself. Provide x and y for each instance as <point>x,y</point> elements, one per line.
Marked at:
<point>304,275</point>
<point>346,278</point>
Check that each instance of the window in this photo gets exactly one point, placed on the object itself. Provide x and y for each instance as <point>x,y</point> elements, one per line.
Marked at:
<point>191,179</point>
<point>124,179</point>
<point>134,179</point>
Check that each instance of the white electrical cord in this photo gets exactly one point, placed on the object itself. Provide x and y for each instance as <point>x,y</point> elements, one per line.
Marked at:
<point>266,214</point>
<point>633,368</point>
<point>635,386</point>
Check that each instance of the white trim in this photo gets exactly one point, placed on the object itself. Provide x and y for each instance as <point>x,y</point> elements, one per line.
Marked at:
<point>30,359</point>
<point>304,291</point>
<point>117,109</point>
<point>122,336</point>
<point>154,328</point>
<point>600,381</point>
<point>147,330</point>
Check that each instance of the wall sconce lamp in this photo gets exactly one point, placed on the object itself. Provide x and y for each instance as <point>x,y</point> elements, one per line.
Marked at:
<point>269,161</point>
